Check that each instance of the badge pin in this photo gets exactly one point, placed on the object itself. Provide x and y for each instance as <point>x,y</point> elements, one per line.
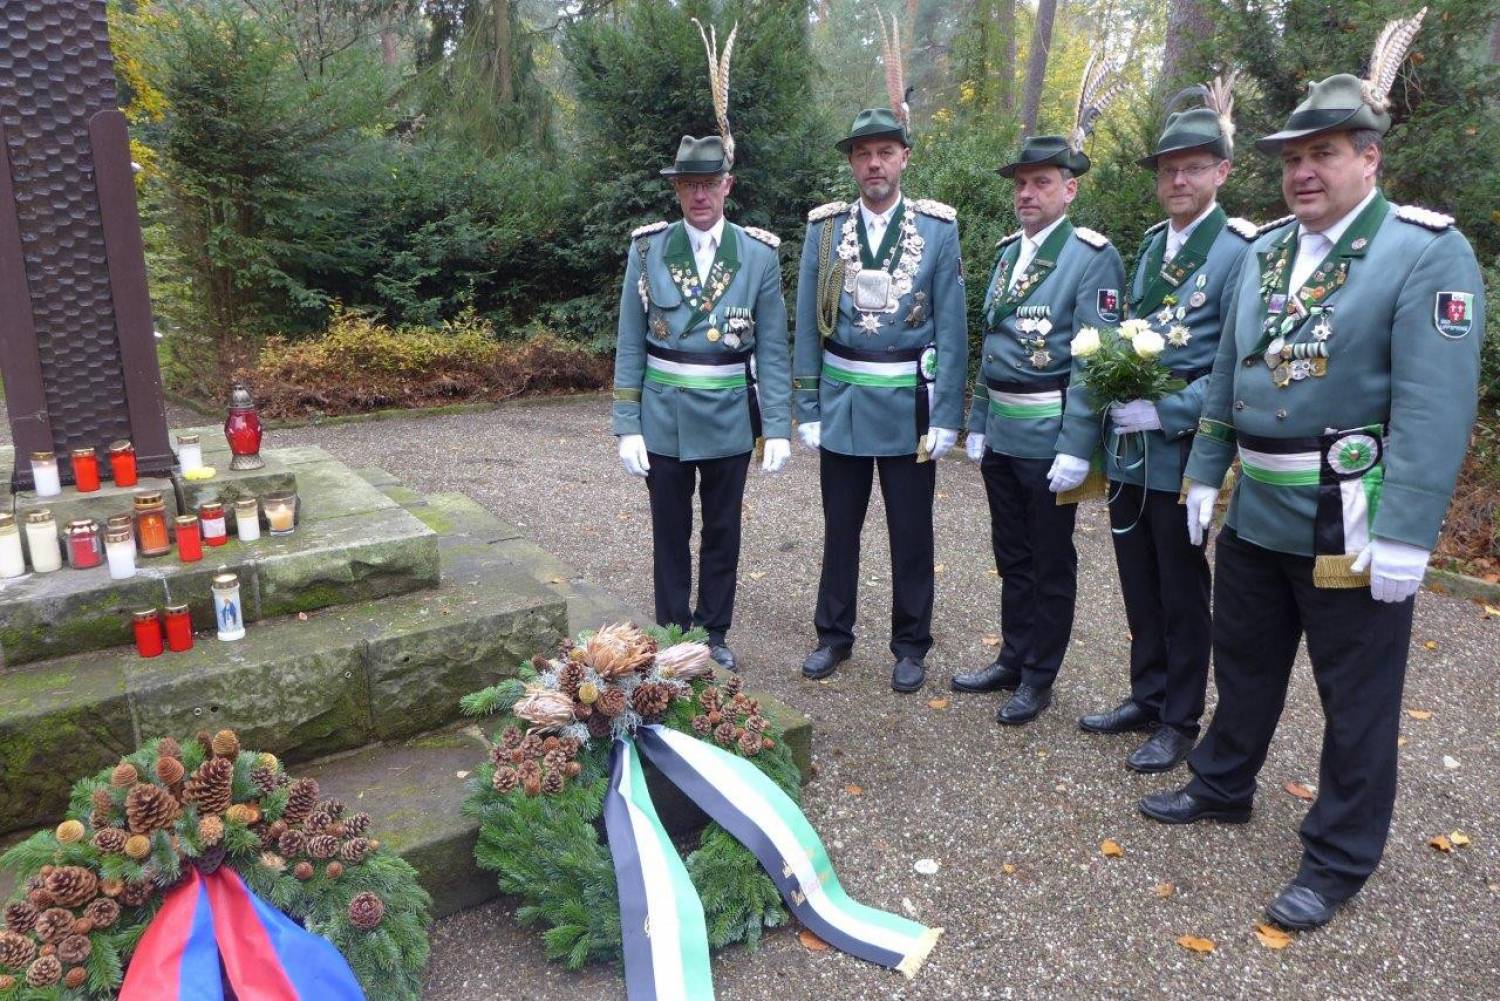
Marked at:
<point>1319,367</point>
<point>1181,312</point>
<point>1202,281</point>
<point>732,341</point>
<point>1197,299</point>
<point>1282,375</point>
<point>1277,303</point>
<point>1041,359</point>
<point>1360,244</point>
<point>713,334</point>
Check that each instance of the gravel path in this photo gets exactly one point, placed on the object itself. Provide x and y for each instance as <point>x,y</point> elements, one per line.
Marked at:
<point>1014,817</point>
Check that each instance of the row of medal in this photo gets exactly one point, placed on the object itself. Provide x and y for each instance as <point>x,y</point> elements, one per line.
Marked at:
<point>1290,362</point>
<point>1033,324</point>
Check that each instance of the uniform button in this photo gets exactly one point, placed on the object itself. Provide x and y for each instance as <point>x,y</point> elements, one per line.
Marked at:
<point>1018,364</point>
<point>989,357</point>
<point>1281,415</point>
<point>1239,404</point>
<point>1249,362</point>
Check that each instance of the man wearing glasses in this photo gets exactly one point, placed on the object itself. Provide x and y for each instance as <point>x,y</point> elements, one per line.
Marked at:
<point>702,372</point>
<point>1181,283</point>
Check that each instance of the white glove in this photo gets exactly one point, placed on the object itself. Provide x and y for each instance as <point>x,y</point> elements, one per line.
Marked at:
<point>975,446</point>
<point>1201,499</point>
<point>777,451</point>
<point>1396,568</point>
<point>939,442</point>
<point>1137,415</point>
<point>811,434</point>
<point>1067,473</point>
<point>633,455</point>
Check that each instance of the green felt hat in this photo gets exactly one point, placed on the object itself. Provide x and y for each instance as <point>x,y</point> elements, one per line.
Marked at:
<point>1195,129</point>
<point>874,123</point>
<point>1043,151</point>
<point>701,157</point>
<point>1334,105</point>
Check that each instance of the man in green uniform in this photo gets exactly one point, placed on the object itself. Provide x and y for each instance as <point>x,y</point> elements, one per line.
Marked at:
<point>1181,286</point>
<point>1346,383</point>
<point>881,350</point>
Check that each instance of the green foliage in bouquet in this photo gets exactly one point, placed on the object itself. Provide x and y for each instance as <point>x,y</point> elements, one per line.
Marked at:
<point>539,798</point>
<point>1122,363</point>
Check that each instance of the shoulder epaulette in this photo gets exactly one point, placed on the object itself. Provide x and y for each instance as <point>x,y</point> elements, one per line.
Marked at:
<point>1158,227</point>
<point>649,228</point>
<point>1092,237</point>
<point>1424,217</point>
<point>1266,227</point>
<point>936,209</point>
<point>1006,240</point>
<point>1243,228</point>
<point>825,211</point>
<point>764,236</point>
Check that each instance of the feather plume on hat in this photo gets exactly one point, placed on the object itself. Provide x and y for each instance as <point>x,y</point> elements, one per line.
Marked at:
<point>1218,96</point>
<point>1387,57</point>
<point>718,82</point>
<point>895,72</point>
<point>1100,86</point>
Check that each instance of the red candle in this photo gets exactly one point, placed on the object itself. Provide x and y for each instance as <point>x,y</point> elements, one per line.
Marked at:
<point>189,539</point>
<point>122,463</point>
<point>215,529</point>
<point>148,633</point>
<point>84,548</point>
<point>179,628</point>
<point>85,470</point>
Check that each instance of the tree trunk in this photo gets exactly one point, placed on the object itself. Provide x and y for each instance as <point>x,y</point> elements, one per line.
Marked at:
<point>1005,91</point>
<point>1188,25</point>
<point>388,47</point>
<point>1036,65</point>
<point>1495,43</point>
<point>504,86</point>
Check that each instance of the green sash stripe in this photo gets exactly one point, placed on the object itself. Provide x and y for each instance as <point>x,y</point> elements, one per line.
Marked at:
<point>736,381</point>
<point>867,379</point>
<point>1282,478</point>
<point>1026,411</point>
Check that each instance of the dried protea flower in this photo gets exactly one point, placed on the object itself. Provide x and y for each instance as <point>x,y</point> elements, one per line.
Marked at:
<point>544,708</point>
<point>618,650</point>
<point>102,911</point>
<point>685,661</point>
<point>272,861</point>
<point>124,776</point>
<point>366,911</point>
<point>611,703</point>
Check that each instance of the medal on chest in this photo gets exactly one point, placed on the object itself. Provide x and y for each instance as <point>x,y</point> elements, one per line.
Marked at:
<point>880,289</point>
<point>1033,324</point>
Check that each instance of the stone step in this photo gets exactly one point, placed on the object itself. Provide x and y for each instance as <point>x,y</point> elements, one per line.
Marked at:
<point>298,686</point>
<point>353,544</point>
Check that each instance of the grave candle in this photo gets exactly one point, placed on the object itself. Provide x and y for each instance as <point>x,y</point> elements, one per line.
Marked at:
<point>41,539</point>
<point>281,512</point>
<point>215,529</point>
<point>119,549</point>
<point>12,562</point>
<point>85,550</point>
<point>227,611</point>
<point>122,463</point>
<point>151,523</point>
<point>179,628</point>
<point>247,519</point>
<point>189,539</point>
<point>44,473</point>
<point>115,523</point>
<point>147,624</point>
<point>85,470</point>
<point>189,452</point>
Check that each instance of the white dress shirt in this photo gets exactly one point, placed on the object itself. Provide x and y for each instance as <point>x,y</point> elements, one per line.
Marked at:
<point>1313,247</point>
<point>1029,246</point>
<point>705,245</point>
<point>1176,240</point>
<point>876,225</point>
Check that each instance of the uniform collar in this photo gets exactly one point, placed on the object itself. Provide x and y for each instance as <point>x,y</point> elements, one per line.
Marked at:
<point>884,218</point>
<point>696,236</point>
<point>1180,238</point>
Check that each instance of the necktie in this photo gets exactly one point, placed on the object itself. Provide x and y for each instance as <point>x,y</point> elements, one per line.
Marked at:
<point>703,255</point>
<point>1023,260</point>
<point>1311,249</point>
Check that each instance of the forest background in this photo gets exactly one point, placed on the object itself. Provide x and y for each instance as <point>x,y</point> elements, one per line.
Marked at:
<point>360,204</point>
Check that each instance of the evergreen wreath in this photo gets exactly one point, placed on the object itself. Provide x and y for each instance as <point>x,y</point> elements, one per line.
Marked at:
<point>87,889</point>
<point>544,835</point>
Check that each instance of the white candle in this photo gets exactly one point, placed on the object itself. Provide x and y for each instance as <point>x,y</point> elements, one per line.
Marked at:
<point>247,519</point>
<point>123,522</point>
<point>119,549</point>
<point>12,563</point>
<point>228,615</point>
<point>281,512</point>
<point>189,452</point>
<point>44,473</point>
<point>41,539</point>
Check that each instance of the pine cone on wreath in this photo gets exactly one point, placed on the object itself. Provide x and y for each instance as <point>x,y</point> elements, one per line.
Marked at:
<point>292,843</point>
<point>354,850</point>
<point>103,912</point>
<point>552,783</point>
<point>137,893</point>
<point>506,779</point>
<point>333,807</point>
<point>651,699</point>
<point>724,734</point>
<point>334,870</point>
<point>569,678</point>
<point>210,859</point>
<point>263,779</point>
<point>555,761</point>
<point>73,949</point>
<point>599,726</point>
<point>732,685</point>
<point>70,832</point>
<point>137,846</point>
<point>150,808</point>
<point>582,711</point>
<point>322,846</point>
<point>531,746</point>
<point>357,825</point>
<point>16,950</point>
<point>210,786</point>
<point>511,738</point>
<point>709,699</point>
<point>756,724</point>
<point>124,776</point>
<point>72,886</point>
<point>53,923</point>
<point>611,702</point>
<point>170,771</point>
<point>303,871</point>
<point>20,917</point>
<point>318,821</point>
<point>530,770</point>
<point>749,744</point>
<point>300,801</point>
<point>112,887</point>
<point>366,911</point>
<point>168,747</point>
<point>102,801</point>
<point>76,977</point>
<point>226,744</point>
<point>45,972</point>
<point>205,740</point>
<point>532,787</point>
<point>701,726</point>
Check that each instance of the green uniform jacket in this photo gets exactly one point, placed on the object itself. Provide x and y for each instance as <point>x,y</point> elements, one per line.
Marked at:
<point>705,413</point>
<point>1191,293</point>
<point>1402,350</point>
<point>1074,273</point>
<point>862,416</point>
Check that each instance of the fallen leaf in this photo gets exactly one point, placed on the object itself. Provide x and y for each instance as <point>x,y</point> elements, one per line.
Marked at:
<point>1299,790</point>
<point>1449,761</point>
<point>1491,612</point>
<point>1459,839</point>
<point>756,574</point>
<point>1008,868</point>
<point>1110,849</point>
<point>1272,937</point>
<point>1400,741</point>
<point>854,790</point>
<point>1430,645</point>
<point>811,942</point>
<point>990,640</point>
<point>461,774</point>
<point>937,703</point>
<point>1441,843</point>
<point>1419,713</point>
<point>1196,944</point>
<point>938,568</point>
<point>301,616</point>
<point>1491,578</point>
<point>1164,889</point>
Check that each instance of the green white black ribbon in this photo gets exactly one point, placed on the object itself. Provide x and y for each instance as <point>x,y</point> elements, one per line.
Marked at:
<point>661,919</point>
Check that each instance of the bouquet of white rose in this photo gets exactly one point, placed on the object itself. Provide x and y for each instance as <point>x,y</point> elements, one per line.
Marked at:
<point>1121,364</point>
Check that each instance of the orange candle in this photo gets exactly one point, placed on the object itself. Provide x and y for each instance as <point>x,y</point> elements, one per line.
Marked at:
<point>151,523</point>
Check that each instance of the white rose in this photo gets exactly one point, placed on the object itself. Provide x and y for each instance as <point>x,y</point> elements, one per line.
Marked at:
<point>1131,329</point>
<point>1148,344</point>
<point>1085,342</point>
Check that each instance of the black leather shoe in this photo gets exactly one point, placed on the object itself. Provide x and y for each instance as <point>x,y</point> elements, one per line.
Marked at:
<point>724,657</point>
<point>1024,706</point>
<point>1166,749</point>
<point>987,679</point>
<point>1181,807</point>
<point>821,662</point>
<point>1123,718</point>
<point>908,675</point>
<point>1301,908</point>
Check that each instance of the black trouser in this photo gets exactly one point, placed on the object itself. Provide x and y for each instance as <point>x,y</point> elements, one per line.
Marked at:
<point>1032,536</point>
<point>1165,582</point>
<point>721,488</point>
<point>1264,602</point>
<point>907,486</point>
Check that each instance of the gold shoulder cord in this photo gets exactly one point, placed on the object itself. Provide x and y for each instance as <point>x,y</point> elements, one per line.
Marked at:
<point>830,283</point>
